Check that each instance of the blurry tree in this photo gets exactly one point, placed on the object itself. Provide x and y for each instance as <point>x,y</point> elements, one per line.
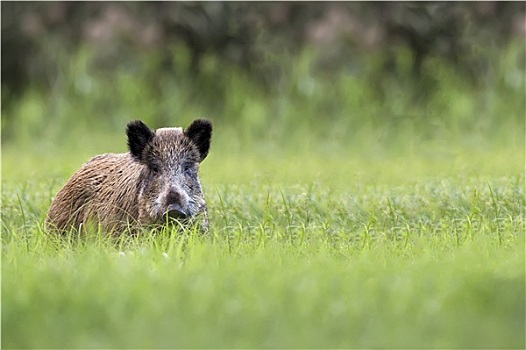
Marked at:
<point>254,36</point>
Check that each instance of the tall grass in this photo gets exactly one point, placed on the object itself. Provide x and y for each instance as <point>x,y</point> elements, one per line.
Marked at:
<point>433,265</point>
<point>341,216</point>
<point>356,106</point>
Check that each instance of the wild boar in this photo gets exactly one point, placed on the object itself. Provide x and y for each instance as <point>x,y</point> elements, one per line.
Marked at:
<point>155,182</point>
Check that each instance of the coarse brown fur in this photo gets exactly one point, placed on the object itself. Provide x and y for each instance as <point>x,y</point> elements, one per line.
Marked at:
<point>156,181</point>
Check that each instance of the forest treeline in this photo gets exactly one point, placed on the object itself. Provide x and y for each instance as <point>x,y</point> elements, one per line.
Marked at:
<point>253,36</point>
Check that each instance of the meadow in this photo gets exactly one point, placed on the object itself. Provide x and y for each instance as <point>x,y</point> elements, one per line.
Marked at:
<point>338,219</point>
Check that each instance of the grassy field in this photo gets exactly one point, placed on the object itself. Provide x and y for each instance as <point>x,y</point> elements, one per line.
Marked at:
<point>382,236</point>
<point>345,258</point>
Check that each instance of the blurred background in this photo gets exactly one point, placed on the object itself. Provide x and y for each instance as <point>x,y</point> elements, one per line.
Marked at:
<point>273,76</point>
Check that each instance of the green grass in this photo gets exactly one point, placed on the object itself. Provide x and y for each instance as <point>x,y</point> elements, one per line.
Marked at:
<point>427,261</point>
<point>332,225</point>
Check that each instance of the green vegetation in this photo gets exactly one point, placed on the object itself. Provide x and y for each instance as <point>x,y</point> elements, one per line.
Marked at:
<point>341,215</point>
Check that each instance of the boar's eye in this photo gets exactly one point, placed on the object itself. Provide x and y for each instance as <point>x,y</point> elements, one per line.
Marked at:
<point>189,167</point>
<point>154,168</point>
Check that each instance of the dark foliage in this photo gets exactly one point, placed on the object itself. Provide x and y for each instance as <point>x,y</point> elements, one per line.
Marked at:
<point>252,36</point>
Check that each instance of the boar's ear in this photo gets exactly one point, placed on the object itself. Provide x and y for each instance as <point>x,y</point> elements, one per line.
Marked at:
<point>138,137</point>
<point>200,132</point>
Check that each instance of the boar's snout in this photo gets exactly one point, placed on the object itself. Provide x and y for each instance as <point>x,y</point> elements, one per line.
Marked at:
<point>175,206</point>
<point>175,211</point>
